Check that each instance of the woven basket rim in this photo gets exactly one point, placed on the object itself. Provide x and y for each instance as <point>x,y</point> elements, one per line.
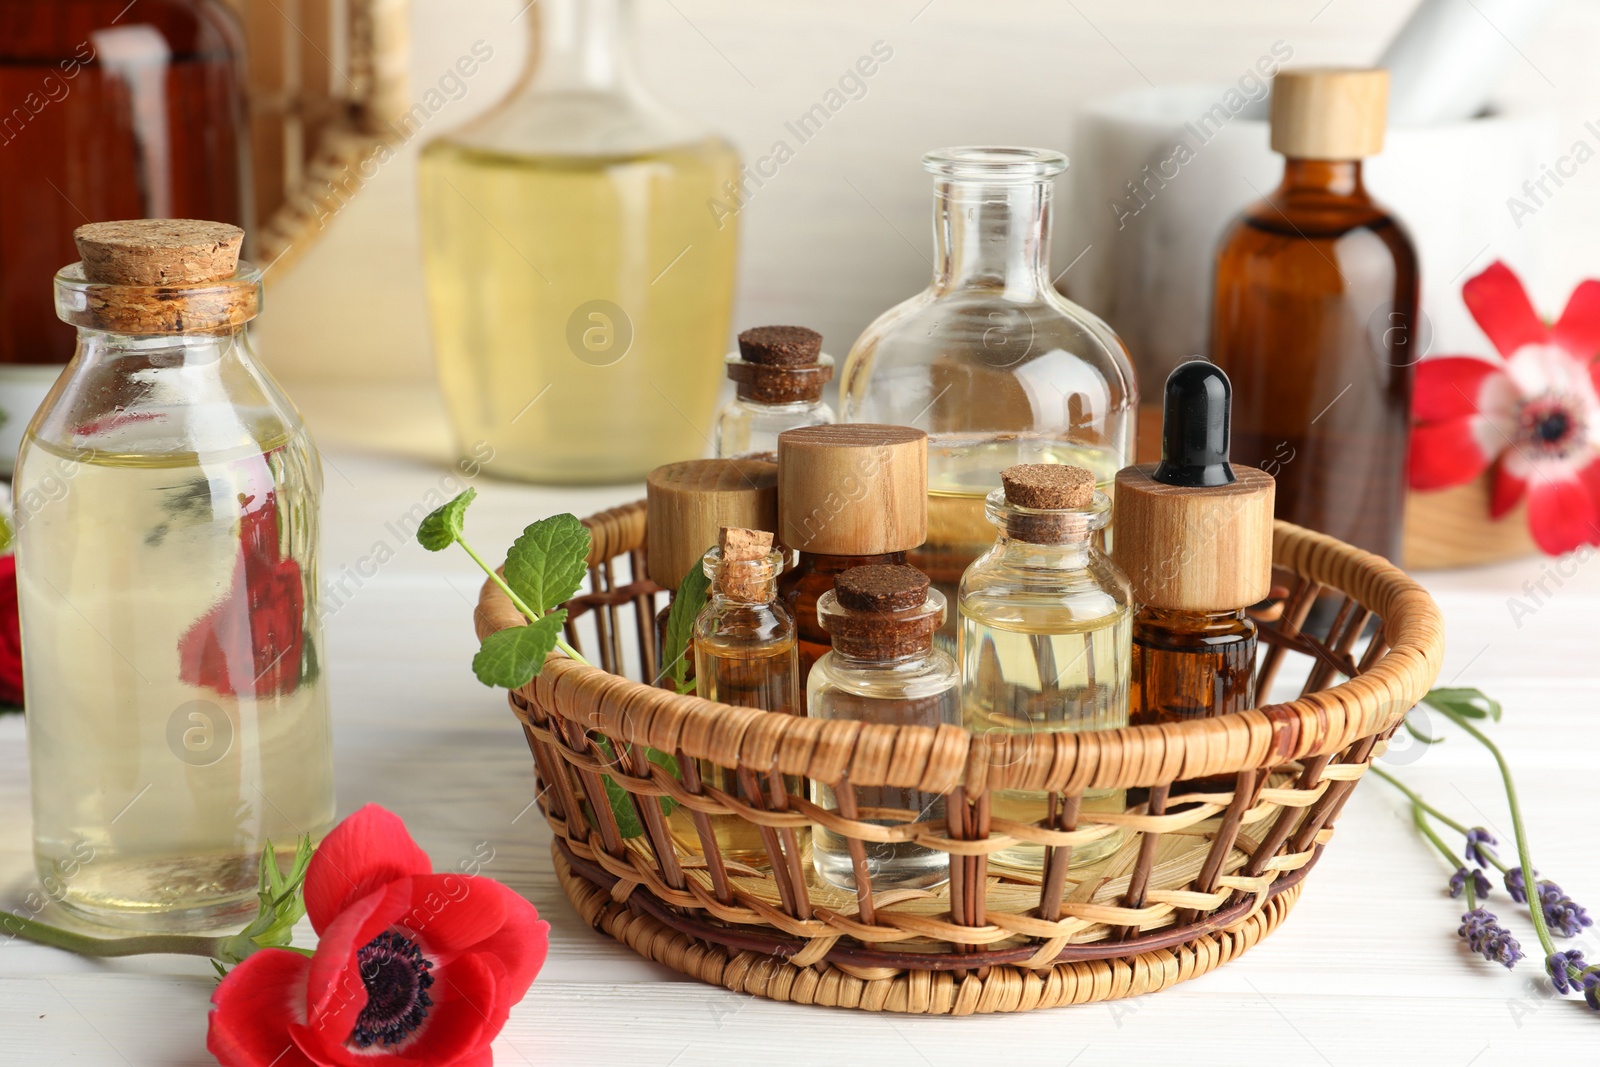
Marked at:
<point>947,757</point>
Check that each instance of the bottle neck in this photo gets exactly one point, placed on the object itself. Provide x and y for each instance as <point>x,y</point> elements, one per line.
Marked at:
<point>992,235</point>
<point>1066,555</point>
<point>859,656</point>
<point>1338,177</point>
<point>581,46</point>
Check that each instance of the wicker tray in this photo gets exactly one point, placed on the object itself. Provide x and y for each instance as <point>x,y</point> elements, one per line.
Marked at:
<point>1198,879</point>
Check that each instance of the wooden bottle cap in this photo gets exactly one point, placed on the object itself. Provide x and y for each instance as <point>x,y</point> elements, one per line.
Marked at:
<point>1048,486</point>
<point>881,587</point>
<point>158,251</point>
<point>1195,549</point>
<point>1329,112</point>
<point>856,489</point>
<point>688,504</point>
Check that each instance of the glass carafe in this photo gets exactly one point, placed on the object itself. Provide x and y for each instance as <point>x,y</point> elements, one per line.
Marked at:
<point>990,359</point>
<point>111,111</point>
<point>167,508</point>
<point>579,276</point>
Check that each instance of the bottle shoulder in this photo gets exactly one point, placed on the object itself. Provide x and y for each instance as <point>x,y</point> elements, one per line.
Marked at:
<point>915,678</point>
<point>1000,588</point>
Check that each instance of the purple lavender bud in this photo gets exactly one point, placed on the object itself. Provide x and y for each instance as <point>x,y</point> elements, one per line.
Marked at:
<point>1563,914</point>
<point>1480,844</point>
<point>1458,882</point>
<point>1591,989</point>
<point>1517,886</point>
<point>1485,936</point>
<point>1560,967</point>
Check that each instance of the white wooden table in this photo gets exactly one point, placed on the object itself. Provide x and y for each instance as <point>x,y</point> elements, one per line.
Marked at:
<point>1367,969</point>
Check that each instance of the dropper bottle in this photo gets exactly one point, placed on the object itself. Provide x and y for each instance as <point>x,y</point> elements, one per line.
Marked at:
<point>1194,535</point>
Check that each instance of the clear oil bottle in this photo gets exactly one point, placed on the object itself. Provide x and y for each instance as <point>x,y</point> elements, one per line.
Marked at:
<point>1045,632</point>
<point>884,668</point>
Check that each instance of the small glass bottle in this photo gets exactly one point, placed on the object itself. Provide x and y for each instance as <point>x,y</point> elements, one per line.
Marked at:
<point>883,669</point>
<point>167,503</point>
<point>744,654</point>
<point>687,505</point>
<point>578,239</point>
<point>781,372</point>
<point>848,496</point>
<point>1045,631</point>
<point>1194,536</point>
<point>1314,313</point>
<point>998,366</point>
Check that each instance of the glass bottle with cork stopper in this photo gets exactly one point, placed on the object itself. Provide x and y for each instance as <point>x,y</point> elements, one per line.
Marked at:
<point>1045,625</point>
<point>848,496</point>
<point>686,507</point>
<point>781,372</point>
<point>177,718</point>
<point>1314,311</point>
<point>883,668</point>
<point>744,654</point>
<point>1194,536</point>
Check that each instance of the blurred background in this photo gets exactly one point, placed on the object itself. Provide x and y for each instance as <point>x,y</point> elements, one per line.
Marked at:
<point>841,230</point>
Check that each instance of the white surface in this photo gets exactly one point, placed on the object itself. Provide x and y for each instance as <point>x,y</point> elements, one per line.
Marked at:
<point>1366,969</point>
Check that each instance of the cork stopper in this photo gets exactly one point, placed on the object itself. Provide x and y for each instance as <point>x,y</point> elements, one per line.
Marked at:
<point>1048,486</point>
<point>881,587</point>
<point>881,611</point>
<point>744,571</point>
<point>148,277</point>
<point>688,503</point>
<point>780,346</point>
<point>1189,548</point>
<point>158,251</point>
<point>1329,113</point>
<point>857,489</point>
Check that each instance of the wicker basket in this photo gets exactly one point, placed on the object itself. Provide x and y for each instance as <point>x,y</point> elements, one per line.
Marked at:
<point>1197,880</point>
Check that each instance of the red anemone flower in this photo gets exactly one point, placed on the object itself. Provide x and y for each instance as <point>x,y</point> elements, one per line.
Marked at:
<point>411,967</point>
<point>1531,416</point>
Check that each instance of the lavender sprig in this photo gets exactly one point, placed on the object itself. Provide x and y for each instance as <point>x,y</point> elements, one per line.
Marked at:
<point>1561,967</point>
<point>1564,915</point>
<point>1480,846</point>
<point>1459,881</point>
<point>1517,885</point>
<point>1485,936</point>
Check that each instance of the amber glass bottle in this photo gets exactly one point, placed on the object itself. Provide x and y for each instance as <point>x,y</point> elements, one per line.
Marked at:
<point>849,495</point>
<point>1194,535</point>
<point>1313,317</point>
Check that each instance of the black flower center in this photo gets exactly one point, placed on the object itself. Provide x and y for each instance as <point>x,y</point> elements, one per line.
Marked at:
<point>1552,424</point>
<point>396,976</point>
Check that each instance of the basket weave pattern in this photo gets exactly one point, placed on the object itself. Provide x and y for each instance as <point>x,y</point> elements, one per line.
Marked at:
<point>1198,879</point>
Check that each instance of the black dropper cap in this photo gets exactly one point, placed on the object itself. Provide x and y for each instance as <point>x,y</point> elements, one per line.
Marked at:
<point>1194,427</point>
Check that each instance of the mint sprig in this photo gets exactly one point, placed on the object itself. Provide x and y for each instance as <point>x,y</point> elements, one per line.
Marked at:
<point>544,567</point>
<point>686,605</point>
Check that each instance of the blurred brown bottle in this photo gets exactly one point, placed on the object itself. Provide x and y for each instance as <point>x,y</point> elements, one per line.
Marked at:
<point>1314,317</point>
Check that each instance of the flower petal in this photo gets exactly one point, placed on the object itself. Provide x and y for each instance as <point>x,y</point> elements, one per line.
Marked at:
<point>1590,477</point>
<point>365,852</point>
<point>1502,309</point>
<point>1448,387</point>
<point>1578,329</point>
<point>1450,453</point>
<point>1561,512</point>
<point>335,993</point>
<point>254,1007</point>
<point>1506,487</point>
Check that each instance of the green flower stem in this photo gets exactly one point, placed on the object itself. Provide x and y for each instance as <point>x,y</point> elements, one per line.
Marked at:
<point>1427,831</point>
<point>1419,802</point>
<point>169,944</point>
<point>1535,908</point>
<point>516,601</point>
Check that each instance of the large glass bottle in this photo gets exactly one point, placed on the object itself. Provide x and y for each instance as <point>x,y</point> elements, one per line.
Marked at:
<point>883,669</point>
<point>108,110</point>
<point>580,286</point>
<point>167,502</point>
<point>990,359</point>
<point>1045,635</point>
<point>1313,316</point>
<point>745,655</point>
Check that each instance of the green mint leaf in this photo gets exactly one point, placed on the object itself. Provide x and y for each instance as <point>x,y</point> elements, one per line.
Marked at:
<point>1465,701</point>
<point>686,605</point>
<point>621,801</point>
<point>509,658</point>
<point>548,562</point>
<point>442,529</point>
